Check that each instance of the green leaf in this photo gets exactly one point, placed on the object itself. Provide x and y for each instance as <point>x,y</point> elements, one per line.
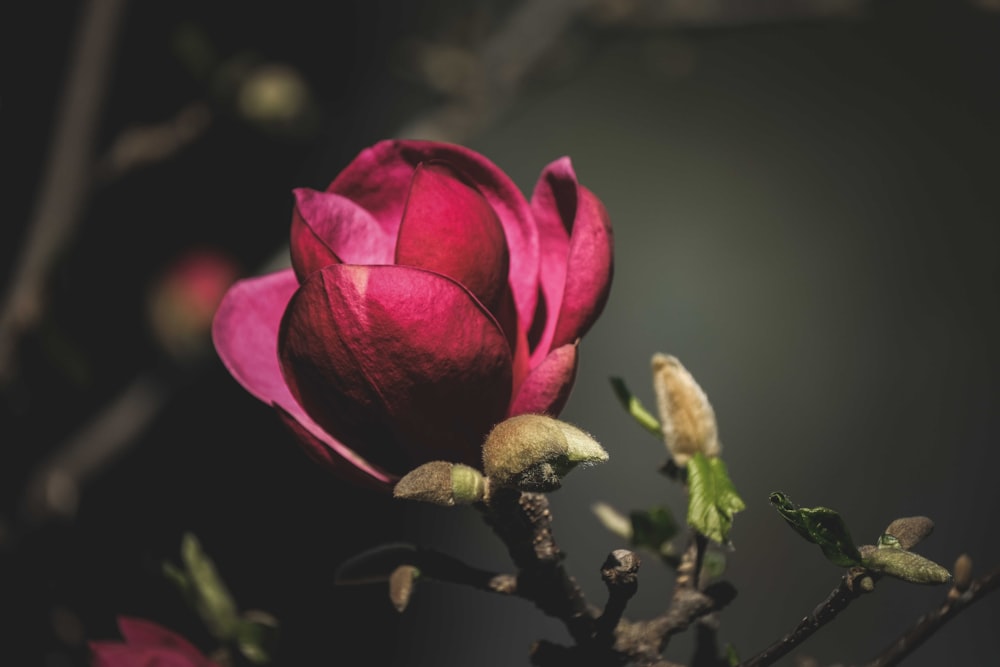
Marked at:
<point>634,407</point>
<point>180,579</point>
<point>652,528</point>
<point>256,637</point>
<point>732,657</point>
<point>712,498</point>
<point>211,598</point>
<point>821,526</point>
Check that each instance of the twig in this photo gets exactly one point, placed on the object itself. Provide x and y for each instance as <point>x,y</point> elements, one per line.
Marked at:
<point>686,14</point>
<point>137,146</point>
<point>506,57</point>
<point>53,489</point>
<point>852,586</point>
<point>619,575</point>
<point>644,641</point>
<point>930,623</point>
<point>523,522</point>
<point>442,567</point>
<point>65,181</point>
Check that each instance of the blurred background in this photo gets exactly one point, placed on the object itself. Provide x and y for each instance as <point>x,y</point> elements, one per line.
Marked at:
<point>806,205</point>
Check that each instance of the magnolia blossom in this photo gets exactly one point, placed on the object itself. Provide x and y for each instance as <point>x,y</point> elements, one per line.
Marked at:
<point>427,300</point>
<point>146,643</point>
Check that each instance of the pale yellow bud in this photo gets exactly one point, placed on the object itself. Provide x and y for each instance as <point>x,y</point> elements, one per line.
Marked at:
<point>401,584</point>
<point>534,452</point>
<point>686,416</point>
<point>613,520</point>
<point>963,573</point>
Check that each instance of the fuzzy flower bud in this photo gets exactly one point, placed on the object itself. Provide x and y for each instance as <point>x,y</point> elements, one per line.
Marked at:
<point>402,581</point>
<point>905,565</point>
<point>534,452</point>
<point>963,573</point>
<point>442,483</point>
<point>686,416</point>
<point>907,531</point>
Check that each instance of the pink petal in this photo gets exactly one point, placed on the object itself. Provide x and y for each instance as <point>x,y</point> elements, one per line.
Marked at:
<point>448,227</point>
<point>548,386</point>
<point>401,364</point>
<point>378,180</point>
<point>330,229</point>
<point>577,255</point>
<point>245,333</point>
<point>147,643</point>
<point>333,455</point>
<point>109,654</point>
<point>140,632</point>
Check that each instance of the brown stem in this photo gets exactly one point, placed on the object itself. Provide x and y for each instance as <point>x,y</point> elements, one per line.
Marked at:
<point>619,573</point>
<point>66,178</point>
<point>852,585</point>
<point>524,522</point>
<point>930,623</point>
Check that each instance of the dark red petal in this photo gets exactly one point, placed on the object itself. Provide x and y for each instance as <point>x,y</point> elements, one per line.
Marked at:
<point>577,255</point>
<point>548,386</point>
<point>333,455</point>
<point>448,227</point>
<point>245,331</point>
<point>331,229</point>
<point>378,180</point>
<point>401,364</point>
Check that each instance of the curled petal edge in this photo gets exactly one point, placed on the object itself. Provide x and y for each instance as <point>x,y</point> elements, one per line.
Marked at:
<point>547,387</point>
<point>336,457</point>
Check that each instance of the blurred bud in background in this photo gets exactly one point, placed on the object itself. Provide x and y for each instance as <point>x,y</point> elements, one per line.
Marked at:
<point>183,300</point>
<point>275,97</point>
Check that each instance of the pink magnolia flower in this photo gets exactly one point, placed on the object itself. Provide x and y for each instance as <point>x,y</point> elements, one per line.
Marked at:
<point>427,301</point>
<point>146,645</point>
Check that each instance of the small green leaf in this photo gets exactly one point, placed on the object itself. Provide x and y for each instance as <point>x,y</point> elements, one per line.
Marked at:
<point>635,408</point>
<point>652,528</point>
<point>821,526</point>
<point>732,657</point>
<point>712,498</point>
<point>211,598</point>
<point>178,578</point>
<point>257,637</point>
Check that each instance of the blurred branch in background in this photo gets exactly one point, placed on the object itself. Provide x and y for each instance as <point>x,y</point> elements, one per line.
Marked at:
<point>65,183</point>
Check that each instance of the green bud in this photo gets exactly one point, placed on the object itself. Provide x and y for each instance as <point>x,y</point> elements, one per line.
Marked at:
<point>442,483</point>
<point>905,565</point>
<point>686,416</point>
<point>257,636</point>
<point>534,452</point>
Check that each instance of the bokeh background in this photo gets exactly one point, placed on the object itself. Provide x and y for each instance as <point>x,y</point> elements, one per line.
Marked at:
<point>806,204</point>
